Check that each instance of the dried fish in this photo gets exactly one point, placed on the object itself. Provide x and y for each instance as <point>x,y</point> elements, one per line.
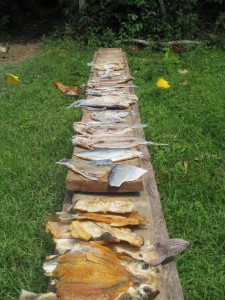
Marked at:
<point>106,91</point>
<point>25,295</point>
<point>116,101</point>
<point>111,80</point>
<point>133,218</point>
<point>95,204</point>
<point>92,170</point>
<point>116,66</point>
<point>115,155</point>
<point>123,173</point>
<point>89,230</point>
<point>92,271</point>
<point>110,116</point>
<point>105,129</point>
<point>154,254</point>
<point>111,142</point>
<point>108,74</point>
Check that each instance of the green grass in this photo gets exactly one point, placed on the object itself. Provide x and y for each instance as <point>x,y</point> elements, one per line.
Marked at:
<point>35,131</point>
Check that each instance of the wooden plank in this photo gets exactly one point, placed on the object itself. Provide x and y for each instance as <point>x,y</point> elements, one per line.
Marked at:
<point>148,203</point>
<point>77,182</point>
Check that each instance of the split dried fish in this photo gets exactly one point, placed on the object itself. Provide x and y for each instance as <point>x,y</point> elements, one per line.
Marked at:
<point>111,80</point>
<point>124,173</point>
<point>92,271</point>
<point>115,155</point>
<point>133,218</point>
<point>111,142</point>
<point>154,254</point>
<point>106,91</point>
<point>108,74</point>
<point>110,116</point>
<point>116,66</point>
<point>91,170</point>
<point>90,230</point>
<point>115,101</point>
<point>25,295</point>
<point>105,128</point>
<point>95,204</point>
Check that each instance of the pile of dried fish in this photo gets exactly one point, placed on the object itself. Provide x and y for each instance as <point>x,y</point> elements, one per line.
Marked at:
<point>113,66</point>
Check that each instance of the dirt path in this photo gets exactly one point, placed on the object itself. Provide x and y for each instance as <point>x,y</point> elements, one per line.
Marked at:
<point>23,45</point>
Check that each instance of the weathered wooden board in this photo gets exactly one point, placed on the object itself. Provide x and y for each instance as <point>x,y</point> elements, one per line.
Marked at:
<point>77,182</point>
<point>148,203</point>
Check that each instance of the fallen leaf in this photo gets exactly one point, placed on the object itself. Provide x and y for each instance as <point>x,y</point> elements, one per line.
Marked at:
<point>12,79</point>
<point>185,167</point>
<point>162,83</point>
<point>182,72</point>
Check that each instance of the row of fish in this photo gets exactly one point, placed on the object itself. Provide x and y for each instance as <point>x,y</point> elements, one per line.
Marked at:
<point>92,264</point>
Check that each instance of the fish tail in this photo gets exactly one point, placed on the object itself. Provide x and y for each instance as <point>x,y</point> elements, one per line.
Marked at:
<point>63,161</point>
<point>169,248</point>
<point>75,104</point>
<point>154,144</point>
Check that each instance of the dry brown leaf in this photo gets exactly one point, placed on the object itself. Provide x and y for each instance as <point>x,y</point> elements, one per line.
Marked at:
<point>185,167</point>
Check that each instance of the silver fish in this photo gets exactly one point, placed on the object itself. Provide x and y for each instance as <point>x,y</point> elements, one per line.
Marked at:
<point>105,153</point>
<point>123,173</point>
<point>105,129</point>
<point>92,170</point>
<point>25,295</point>
<point>111,142</point>
<point>115,101</point>
<point>110,116</point>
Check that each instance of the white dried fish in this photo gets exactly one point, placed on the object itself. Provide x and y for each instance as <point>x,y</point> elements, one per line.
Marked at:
<point>106,91</point>
<point>91,142</point>
<point>91,170</point>
<point>111,80</point>
<point>110,116</point>
<point>105,153</point>
<point>116,101</point>
<point>114,205</point>
<point>124,173</point>
<point>116,66</point>
<point>105,129</point>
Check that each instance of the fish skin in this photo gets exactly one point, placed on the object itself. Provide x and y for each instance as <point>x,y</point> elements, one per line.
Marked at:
<point>115,205</point>
<point>123,173</point>
<point>114,154</point>
<point>25,295</point>
<point>91,170</point>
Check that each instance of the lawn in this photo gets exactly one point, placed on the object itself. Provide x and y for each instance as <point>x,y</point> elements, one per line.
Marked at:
<point>35,131</point>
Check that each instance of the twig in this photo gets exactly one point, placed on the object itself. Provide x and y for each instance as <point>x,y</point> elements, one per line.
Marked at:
<point>146,43</point>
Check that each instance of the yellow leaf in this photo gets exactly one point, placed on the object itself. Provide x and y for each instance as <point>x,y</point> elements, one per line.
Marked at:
<point>12,79</point>
<point>162,83</point>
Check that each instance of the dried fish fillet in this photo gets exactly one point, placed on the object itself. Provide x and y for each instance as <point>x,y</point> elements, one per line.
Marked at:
<point>89,170</point>
<point>116,101</point>
<point>110,116</point>
<point>105,153</point>
<point>133,218</point>
<point>25,295</point>
<point>105,129</point>
<point>87,230</point>
<point>112,80</point>
<point>106,91</point>
<point>123,173</point>
<point>111,142</point>
<point>116,66</point>
<point>92,271</point>
<point>59,230</point>
<point>154,254</point>
<point>115,205</point>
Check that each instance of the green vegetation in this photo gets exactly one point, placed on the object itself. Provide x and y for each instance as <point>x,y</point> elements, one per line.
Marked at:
<point>35,131</point>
